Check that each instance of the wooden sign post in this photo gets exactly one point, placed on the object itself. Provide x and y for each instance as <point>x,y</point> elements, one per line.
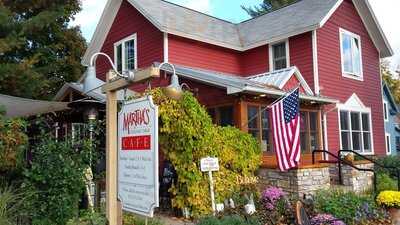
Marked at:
<point>113,207</point>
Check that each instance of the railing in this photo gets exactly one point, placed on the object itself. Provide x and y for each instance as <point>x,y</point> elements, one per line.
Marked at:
<point>341,161</point>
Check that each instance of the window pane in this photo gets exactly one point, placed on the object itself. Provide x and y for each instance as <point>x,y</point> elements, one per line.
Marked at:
<point>347,53</point>
<point>313,121</point>
<point>252,117</point>
<point>355,121</point>
<point>280,64</point>
<point>264,119</point>
<point>345,140</point>
<point>279,56</point>
<point>266,146</point>
<point>226,116</point>
<point>303,125</point>
<point>385,110</point>
<point>388,144</point>
<point>367,141</point>
<point>398,143</point>
<point>365,121</point>
<point>344,120</point>
<point>313,141</point>
<point>303,141</point>
<point>119,58</point>
<point>254,133</point>
<point>356,56</point>
<point>356,141</point>
<point>130,55</point>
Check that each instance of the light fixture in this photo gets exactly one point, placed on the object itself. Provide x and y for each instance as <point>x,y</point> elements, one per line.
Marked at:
<point>263,95</point>
<point>174,90</point>
<point>90,80</point>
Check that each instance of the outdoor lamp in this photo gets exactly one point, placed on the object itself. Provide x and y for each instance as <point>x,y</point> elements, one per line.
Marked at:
<point>174,90</point>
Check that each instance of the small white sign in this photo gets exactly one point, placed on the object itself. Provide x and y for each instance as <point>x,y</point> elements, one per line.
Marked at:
<point>209,164</point>
<point>138,156</point>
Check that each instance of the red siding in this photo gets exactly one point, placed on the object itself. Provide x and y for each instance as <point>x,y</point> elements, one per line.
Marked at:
<point>149,39</point>
<point>292,83</point>
<point>301,55</point>
<point>333,84</point>
<point>197,54</point>
<point>255,61</point>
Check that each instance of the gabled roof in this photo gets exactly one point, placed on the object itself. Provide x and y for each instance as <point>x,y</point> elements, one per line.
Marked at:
<point>237,84</point>
<point>300,17</point>
<point>388,93</point>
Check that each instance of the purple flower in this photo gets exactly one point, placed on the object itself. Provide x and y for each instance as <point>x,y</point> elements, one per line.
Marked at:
<point>326,219</point>
<point>271,195</point>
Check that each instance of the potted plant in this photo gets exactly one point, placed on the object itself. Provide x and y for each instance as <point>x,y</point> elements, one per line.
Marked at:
<point>391,201</point>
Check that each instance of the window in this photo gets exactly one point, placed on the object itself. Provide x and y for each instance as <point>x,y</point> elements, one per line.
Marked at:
<point>350,47</point>
<point>77,131</point>
<point>222,116</point>
<point>125,54</point>
<point>355,131</point>
<point>388,146</point>
<point>279,55</point>
<point>398,143</point>
<point>385,111</point>
<point>260,127</point>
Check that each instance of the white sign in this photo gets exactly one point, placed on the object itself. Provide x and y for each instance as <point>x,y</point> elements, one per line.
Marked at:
<point>138,156</point>
<point>209,164</point>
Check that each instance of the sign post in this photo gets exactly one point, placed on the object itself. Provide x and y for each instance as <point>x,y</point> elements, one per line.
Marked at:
<point>111,88</point>
<point>209,165</point>
<point>138,156</point>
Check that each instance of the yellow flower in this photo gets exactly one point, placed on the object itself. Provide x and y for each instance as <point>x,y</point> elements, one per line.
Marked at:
<point>389,199</point>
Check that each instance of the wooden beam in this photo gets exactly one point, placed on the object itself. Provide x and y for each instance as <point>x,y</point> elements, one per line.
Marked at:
<point>140,76</point>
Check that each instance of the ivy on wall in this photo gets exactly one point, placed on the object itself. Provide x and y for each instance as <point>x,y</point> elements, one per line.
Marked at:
<point>187,134</point>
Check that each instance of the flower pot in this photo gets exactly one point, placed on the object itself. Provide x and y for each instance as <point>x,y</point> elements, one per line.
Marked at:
<point>395,215</point>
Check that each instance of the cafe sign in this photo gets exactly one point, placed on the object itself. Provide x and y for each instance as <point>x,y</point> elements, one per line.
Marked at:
<point>138,156</point>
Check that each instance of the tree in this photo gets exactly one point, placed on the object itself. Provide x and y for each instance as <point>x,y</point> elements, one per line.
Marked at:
<point>391,80</point>
<point>38,50</point>
<point>267,6</point>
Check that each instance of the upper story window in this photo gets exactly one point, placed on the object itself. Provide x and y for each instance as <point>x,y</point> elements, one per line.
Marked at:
<point>385,111</point>
<point>279,55</point>
<point>350,48</point>
<point>125,54</point>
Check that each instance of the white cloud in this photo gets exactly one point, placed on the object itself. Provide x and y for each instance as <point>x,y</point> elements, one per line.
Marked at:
<point>388,14</point>
<point>89,16</point>
<point>203,6</point>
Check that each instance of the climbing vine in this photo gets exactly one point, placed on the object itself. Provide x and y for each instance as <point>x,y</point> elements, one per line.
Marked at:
<point>187,134</point>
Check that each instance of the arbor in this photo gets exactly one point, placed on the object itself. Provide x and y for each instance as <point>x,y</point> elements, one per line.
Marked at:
<point>267,6</point>
<point>38,50</point>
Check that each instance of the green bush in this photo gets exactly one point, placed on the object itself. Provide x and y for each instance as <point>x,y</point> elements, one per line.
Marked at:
<point>89,218</point>
<point>11,205</point>
<point>385,183</point>
<point>346,206</point>
<point>389,161</point>
<point>187,134</point>
<point>228,220</point>
<point>56,175</point>
<point>130,219</point>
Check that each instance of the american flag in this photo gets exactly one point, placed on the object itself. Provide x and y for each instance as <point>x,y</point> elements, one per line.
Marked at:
<point>286,130</point>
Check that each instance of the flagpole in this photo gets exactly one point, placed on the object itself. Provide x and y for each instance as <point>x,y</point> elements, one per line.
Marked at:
<point>273,103</point>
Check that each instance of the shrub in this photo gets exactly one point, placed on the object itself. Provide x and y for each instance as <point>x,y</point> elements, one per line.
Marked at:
<point>346,206</point>
<point>56,175</point>
<point>89,218</point>
<point>11,205</point>
<point>187,134</point>
<point>130,219</point>
<point>389,199</point>
<point>385,182</point>
<point>228,220</point>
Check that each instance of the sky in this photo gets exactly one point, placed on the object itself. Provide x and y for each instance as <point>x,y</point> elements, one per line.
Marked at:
<point>387,12</point>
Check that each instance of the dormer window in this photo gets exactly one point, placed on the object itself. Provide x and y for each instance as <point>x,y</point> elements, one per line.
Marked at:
<point>279,55</point>
<point>350,46</point>
<point>125,54</point>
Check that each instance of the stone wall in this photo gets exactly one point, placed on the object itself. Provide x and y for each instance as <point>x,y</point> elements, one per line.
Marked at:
<point>358,181</point>
<point>299,182</point>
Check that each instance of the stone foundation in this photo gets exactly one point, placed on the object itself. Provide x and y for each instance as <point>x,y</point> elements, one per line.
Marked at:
<point>299,182</point>
<point>306,181</point>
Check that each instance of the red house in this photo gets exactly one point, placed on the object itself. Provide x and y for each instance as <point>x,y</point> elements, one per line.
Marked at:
<point>331,47</point>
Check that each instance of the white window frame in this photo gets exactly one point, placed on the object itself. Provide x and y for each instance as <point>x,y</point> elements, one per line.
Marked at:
<point>271,60</point>
<point>347,74</point>
<point>361,111</point>
<point>388,145</point>
<point>385,111</point>
<point>121,42</point>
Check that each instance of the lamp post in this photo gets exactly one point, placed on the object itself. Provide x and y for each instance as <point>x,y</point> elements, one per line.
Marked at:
<point>113,208</point>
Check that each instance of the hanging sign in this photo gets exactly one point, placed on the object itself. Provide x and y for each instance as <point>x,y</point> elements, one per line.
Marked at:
<point>138,156</point>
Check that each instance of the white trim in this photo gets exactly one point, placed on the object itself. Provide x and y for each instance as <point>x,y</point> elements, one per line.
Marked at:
<point>121,42</point>
<point>270,52</point>
<point>358,109</point>
<point>330,13</point>
<point>385,112</point>
<point>315,61</point>
<point>388,149</point>
<point>166,48</point>
<point>345,73</point>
